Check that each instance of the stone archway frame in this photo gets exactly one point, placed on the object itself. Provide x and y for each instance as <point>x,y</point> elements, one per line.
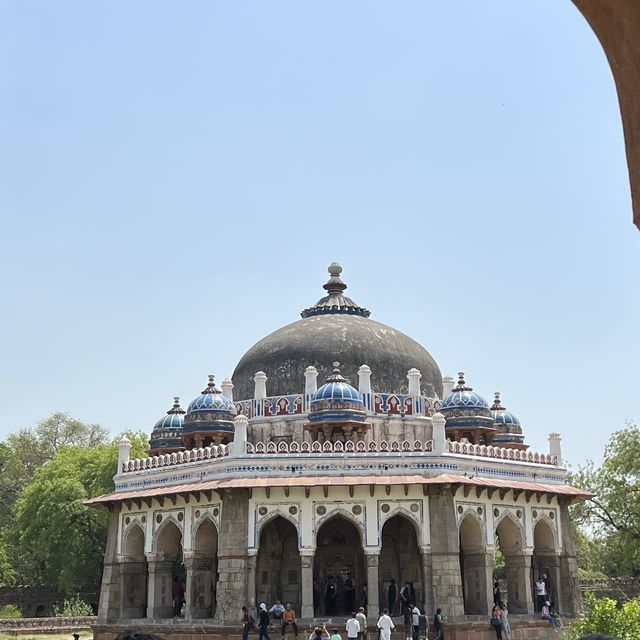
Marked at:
<point>125,535</point>
<point>544,519</point>
<point>334,512</point>
<point>399,509</point>
<point>470,512</point>
<point>162,526</point>
<point>196,527</point>
<point>275,511</point>
<point>505,513</point>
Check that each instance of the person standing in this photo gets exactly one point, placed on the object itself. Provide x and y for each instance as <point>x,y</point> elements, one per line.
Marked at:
<point>415,621</point>
<point>496,620</point>
<point>330,597</point>
<point>404,597</point>
<point>353,627</point>
<point>423,624</point>
<point>541,593</point>
<point>263,622</point>
<point>392,595</point>
<point>289,618</point>
<point>497,596</point>
<point>438,625</point>
<point>385,624</point>
<point>349,593</point>
<point>362,621</point>
<point>413,597</point>
<point>247,623</point>
<point>504,619</point>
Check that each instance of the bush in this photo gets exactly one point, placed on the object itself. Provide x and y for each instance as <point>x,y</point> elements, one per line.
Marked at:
<point>606,617</point>
<point>8,611</point>
<point>72,608</point>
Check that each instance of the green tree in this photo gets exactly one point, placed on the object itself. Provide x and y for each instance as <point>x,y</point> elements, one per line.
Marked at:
<point>605,617</point>
<point>58,540</point>
<point>612,516</point>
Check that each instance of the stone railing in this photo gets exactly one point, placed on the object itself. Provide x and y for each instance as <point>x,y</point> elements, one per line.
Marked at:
<point>382,404</point>
<point>304,448</point>
<point>500,453</point>
<point>15,626</point>
<point>171,459</point>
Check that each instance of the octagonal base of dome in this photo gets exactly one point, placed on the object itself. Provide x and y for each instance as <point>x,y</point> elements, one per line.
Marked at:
<point>338,430</point>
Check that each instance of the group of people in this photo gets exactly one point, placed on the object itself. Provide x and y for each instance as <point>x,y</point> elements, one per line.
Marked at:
<point>416,624</point>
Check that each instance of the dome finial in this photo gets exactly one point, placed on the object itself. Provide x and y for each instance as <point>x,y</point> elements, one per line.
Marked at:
<point>462,385</point>
<point>335,284</point>
<point>336,376</point>
<point>211,386</point>
<point>497,403</point>
<point>176,409</point>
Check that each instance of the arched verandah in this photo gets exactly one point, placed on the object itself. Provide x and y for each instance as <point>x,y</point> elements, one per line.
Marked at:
<point>545,562</point>
<point>476,566</point>
<point>202,572</point>
<point>279,572</point>
<point>339,571</point>
<point>166,573</point>
<point>510,540</point>
<point>133,574</point>
<point>400,560</point>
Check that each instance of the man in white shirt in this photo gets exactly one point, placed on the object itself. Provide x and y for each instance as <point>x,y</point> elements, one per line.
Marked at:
<point>541,593</point>
<point>353,627</point>
<point>362,621</point>
<point>385,624</point>
<point>415,621</point>
<point>277,610</point>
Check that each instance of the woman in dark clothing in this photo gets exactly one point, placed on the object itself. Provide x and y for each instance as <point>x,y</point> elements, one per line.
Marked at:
<point>263,622</point>
<point>497,596</point>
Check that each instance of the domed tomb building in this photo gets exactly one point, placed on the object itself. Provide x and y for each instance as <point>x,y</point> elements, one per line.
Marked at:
<point>334,461</point>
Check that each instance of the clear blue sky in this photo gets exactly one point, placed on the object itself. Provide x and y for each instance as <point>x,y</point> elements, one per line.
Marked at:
<point>175,178</point>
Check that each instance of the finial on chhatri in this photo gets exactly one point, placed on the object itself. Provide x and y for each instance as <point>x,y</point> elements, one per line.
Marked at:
<point>336,376</point>
<point>335,284</point>
<point>462,385</point>
<point>176,407</point>
<point>497,403</point>
<point>211,386</point>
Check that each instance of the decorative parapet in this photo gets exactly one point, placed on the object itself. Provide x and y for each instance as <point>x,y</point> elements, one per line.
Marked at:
<point>383,404</point>
<point>293,448</point>
<point>501,453</point>
<point>181,457</point>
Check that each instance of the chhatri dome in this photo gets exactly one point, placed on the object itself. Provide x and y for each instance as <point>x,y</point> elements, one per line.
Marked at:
<point>336,328</point>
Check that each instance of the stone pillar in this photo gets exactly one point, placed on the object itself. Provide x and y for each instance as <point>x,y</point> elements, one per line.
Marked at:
<point>478,573</point>
<point>413,376</point>
<point>427,580</point>
<point>445,549</point>
<point>252,566</point>
<point>569,587</point>
<point>133,588</point>
<point>519,594</point>
<point>110,598</point>
<point>239,444</point>
<point>447,386</point>
<point>372,559</point>
<point>199,595</point>
<point>124,451</point>
<point>160,586</point>
<point>439,441</point>
<point>306,562</point>
<point>260,388</point>
<point>555,448</point>
<point>227,389</point>
<point>232,555</point>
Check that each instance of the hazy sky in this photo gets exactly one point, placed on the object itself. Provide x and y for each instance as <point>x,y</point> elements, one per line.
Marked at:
<point>175,179</point>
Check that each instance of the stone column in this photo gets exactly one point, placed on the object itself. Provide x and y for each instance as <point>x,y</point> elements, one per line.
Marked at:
<point>569,586</point>
<point>232,555</point>
<point>372,558</point>
<point>427,579</point>
<point>252,566</point>
<point>306,562</point>
<point>160,585</point>
<point>199,595</point>
<point>438,437</point>
<point>133,588</point>
<point>445,549</point>
<point>110,598</point>
<point>519,594</point>
<point>478,572</point>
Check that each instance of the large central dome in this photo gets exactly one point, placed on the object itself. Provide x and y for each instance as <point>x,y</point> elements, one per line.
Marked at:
<point>336,329</point>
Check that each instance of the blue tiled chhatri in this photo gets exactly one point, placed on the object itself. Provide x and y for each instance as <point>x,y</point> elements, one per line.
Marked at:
<point>166,436</point>
<point>509,428</point>
<point>336,400</point>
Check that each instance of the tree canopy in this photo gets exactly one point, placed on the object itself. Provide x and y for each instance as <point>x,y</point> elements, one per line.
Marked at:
<point>611,518</point>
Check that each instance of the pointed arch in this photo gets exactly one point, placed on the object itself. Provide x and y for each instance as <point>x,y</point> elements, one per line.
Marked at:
<point>544,535</point>
<point>405,513</point>
<point>133,541</point>
<point>345,515</point>
<point>205,536</point>
<point>400,557</point>
<point>475,564</point>
<point>509,533</point>
<point>270,517</point>
<point>279,568</point>
<point>168,539</point>
<point>338,570</point>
